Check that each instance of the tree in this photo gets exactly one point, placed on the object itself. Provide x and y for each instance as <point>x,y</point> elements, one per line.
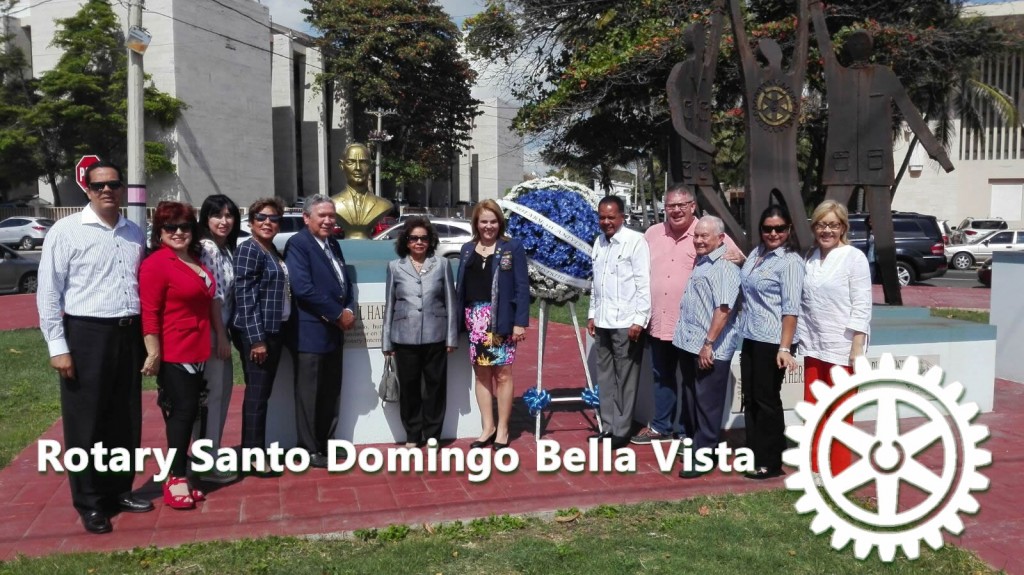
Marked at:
<point>402,55</point>
<point>19,161</point>
<point>81,104</point>
<point>570,61</point>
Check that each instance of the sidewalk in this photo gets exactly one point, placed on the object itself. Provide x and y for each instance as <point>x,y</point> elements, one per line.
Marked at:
<point>36,517</point>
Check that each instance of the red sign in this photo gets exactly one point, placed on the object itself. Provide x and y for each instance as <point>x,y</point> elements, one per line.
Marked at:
<point>80,169</point>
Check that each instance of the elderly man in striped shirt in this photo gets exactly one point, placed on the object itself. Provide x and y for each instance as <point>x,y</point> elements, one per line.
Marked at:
<point>706,336</point>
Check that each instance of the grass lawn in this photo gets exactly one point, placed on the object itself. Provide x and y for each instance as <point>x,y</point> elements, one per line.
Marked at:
<point>756,533</point>
<point>560,313</point>
<point>964,314</point>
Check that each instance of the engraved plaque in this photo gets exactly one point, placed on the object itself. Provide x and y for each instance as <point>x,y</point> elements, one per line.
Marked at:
<point>369,327</point>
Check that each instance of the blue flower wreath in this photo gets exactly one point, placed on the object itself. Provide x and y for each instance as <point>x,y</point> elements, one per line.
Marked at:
<point>567,209</point>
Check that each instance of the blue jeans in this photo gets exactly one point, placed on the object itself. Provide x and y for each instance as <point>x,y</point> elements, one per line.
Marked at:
<point>665,360</point>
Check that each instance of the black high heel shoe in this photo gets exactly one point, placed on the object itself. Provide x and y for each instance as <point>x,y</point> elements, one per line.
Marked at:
<point>499,445</point>
<point>490,439</point>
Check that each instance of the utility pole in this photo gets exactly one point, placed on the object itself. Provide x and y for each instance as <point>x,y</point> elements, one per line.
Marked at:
<point>379,136</point>
<point>136,137</point>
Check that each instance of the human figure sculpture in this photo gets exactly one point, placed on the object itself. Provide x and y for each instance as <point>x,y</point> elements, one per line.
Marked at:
<point>358,208</point>
<point>772,96</point>
<point>859,148</point>
<point>689,90</point>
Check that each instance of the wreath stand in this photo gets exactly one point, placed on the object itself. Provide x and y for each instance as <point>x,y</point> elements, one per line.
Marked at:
<point>543,321</point>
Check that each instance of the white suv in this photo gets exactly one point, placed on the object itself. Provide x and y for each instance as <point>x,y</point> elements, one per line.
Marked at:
<point>973,229</point>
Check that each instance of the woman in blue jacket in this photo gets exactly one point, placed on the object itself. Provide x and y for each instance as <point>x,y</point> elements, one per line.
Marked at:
<point>494,291</point>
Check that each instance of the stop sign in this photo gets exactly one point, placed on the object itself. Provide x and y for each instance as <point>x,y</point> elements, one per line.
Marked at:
<point>80,169</point>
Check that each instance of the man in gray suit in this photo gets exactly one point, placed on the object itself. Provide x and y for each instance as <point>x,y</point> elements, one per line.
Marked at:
<point>420,329</point>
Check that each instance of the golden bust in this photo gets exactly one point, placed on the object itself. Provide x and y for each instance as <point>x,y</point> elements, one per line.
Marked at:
<point>358,208</point>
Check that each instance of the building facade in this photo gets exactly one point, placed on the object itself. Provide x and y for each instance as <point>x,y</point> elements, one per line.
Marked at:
<point>493,163</point>
<point>255,124</point>
<point>989,177</point>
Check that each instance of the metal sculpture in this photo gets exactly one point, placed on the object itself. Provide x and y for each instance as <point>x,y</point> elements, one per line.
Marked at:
<point>689,91</point>
<point>772,96</point>
<point>859,149</point>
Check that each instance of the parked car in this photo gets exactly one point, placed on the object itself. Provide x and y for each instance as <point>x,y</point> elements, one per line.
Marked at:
<point>973,229</point>
<point>384,223</point>
<point>451,232</point>
<point>985,273</point>
<point>964,256</point>
<point>25,232</point>
<point>18,274</point>
<point>946,232</point>
<point>919,248</point>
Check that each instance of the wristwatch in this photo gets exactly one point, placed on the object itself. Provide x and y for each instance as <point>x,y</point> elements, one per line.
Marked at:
<point>785,349</point>
<point>709,342</point>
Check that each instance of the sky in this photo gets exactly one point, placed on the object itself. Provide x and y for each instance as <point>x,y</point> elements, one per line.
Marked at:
<point>287,12</point>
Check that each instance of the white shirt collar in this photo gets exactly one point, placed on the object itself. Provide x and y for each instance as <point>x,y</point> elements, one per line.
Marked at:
<point>89,216</point>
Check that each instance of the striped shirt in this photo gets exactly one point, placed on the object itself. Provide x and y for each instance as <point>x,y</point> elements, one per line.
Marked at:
<point>87,269</point>
<point>771,289</point>
<point>715,282</point>
<point>621,295</point>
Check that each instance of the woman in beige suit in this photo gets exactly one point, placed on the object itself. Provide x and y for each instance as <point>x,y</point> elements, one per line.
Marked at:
<point>420,329</point>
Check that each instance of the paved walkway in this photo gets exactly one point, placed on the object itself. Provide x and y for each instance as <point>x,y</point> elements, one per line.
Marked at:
<point>36,517</point>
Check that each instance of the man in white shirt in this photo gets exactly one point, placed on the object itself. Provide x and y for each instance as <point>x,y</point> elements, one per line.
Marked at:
<point>88,301</point>
<point>620,306</point>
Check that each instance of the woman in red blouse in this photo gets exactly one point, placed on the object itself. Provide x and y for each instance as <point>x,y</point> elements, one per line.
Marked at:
<point>176,293</point>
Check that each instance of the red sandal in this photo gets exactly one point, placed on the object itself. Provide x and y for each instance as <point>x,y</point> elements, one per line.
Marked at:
<point>177,501</point>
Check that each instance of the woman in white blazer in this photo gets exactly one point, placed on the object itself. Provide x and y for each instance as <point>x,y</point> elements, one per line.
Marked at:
<point>420,329</point>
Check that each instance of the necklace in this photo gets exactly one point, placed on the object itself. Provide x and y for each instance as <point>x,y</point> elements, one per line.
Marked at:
<point>418,266</point>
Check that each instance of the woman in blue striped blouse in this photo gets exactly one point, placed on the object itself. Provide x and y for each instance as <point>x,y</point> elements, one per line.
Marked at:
<point>772,282</point>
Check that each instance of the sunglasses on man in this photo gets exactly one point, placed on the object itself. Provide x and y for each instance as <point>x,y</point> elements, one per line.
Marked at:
<point>98,186</point>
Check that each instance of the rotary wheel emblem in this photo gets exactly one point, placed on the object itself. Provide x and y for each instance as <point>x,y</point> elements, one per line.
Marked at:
<point>774,107</point>
<point>888,459</point>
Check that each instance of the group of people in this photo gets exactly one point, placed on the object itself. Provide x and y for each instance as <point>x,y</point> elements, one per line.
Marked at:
<point>685,288</point>
<point>114,307</point>
<point>110,314</point>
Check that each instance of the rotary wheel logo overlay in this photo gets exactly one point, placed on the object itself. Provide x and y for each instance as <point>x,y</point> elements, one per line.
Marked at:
<point>774,107</point>
<point>887,458</point>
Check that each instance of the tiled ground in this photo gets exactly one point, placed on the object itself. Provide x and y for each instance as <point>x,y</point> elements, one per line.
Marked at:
<point>36,517</point>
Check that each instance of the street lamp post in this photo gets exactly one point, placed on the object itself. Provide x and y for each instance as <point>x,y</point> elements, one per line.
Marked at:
<point>138,41</point>
<point>379,136</point>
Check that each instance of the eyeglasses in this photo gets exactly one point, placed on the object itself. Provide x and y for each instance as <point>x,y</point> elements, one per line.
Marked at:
<point>777,229</point>
<point>414,239</point>
<point>182,228</point>
<point>679,206</point>
<point>98,186</point>
<point>832,226</point>
<point>261,217</point>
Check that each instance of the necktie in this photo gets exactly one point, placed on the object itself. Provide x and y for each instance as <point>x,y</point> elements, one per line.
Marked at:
<point>334,263</point>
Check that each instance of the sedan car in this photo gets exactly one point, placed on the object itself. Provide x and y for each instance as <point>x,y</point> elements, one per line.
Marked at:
<point>985,273</point>
<point>451,232</point>
<point>964,256</point>
<point>25,232</point>
<point>18,274</point>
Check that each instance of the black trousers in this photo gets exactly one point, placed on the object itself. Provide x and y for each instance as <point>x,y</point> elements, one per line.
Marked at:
<point>423,389</point>
<point>179,401</point>
<point>102,404</point>
<point>762,402</point>
<point>704,392</point>
<point>259,383</point>
<point>317,390</point>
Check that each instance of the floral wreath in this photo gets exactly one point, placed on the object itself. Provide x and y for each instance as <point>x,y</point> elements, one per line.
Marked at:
<point>556,221</point>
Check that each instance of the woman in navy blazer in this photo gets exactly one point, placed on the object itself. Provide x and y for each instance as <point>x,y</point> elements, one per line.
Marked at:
<point>263,305</point>
<point>493,289</point>
<point>176,293</point>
